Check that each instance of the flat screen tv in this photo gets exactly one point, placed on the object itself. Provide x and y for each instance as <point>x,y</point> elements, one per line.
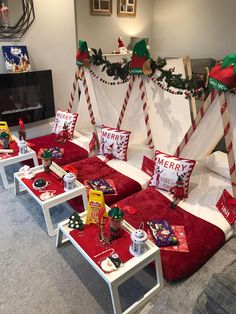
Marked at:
<point>26,95</point>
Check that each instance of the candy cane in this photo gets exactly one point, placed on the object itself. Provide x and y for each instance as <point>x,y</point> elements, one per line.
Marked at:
<point>126,100</point>
<point>196,121</point>
<point>90,108</point>
<point>146,116</point>
<point>74,87</point>
<point>229,144</point>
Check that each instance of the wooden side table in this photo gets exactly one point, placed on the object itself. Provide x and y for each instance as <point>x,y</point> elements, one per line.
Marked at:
<point>129,269</point>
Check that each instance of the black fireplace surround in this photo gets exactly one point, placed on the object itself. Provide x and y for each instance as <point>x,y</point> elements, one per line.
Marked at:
<point>26,95</point>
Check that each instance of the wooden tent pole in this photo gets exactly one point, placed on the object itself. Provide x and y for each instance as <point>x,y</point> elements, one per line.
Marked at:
<point>188,70</point>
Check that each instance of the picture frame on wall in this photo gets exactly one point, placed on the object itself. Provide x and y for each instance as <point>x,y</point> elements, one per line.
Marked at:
<point>126,8</point>
<point>101,7</point>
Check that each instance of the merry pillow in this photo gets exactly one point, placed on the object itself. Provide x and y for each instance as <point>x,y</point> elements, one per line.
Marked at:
<point>62,118</point>
<point>168,169</point>
<point>114,142</point>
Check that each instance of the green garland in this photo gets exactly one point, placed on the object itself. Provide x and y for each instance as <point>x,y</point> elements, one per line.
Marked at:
<point>120,70</point>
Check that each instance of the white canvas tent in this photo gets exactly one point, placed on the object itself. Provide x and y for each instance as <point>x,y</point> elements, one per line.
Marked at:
<point>216,117</point>
<point>169,115</point>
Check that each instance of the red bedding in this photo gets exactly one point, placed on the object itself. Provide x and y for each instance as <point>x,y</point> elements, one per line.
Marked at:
<point>203,238</point>
<point>72,152</point>
<point>93,168</point>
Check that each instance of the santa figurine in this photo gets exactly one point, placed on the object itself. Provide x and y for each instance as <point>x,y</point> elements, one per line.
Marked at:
<point>178,192</point>
<point>121,45</point>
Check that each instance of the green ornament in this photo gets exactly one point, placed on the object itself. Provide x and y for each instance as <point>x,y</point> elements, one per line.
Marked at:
<point>4,135</point>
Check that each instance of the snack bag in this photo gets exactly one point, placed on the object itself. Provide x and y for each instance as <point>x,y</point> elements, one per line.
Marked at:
<point>96,210</point>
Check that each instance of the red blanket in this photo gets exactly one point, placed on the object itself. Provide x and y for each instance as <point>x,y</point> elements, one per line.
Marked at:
<point>72,152</point>
<point>203,238</point>
<point>92,168</point>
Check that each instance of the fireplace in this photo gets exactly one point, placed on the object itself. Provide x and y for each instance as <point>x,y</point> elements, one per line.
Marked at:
<point>26,95</point>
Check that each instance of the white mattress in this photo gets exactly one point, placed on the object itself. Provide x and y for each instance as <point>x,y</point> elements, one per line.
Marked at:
<point>205,189</point>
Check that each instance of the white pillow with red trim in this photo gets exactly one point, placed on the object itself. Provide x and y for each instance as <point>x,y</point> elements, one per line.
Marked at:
<point>114,142</point>
<point>168,169</point>
<point>62,118</point>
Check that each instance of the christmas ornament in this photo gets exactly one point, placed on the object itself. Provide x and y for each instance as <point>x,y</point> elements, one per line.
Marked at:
<point>40,183</point>
<point>223,76</point>
<point>82,57</point>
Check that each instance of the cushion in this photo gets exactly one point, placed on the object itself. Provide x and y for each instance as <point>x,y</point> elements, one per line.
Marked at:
<point>114,142</point>
<point>62,118</point>
<point>170,169</point>
<point>218,163</point>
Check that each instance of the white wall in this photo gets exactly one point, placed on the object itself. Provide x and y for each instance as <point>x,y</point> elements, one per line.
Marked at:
<point>203,28</point>
<point>51,43</point>
<point>103,31</point>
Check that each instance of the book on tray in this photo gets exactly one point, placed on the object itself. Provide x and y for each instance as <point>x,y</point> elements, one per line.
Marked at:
<point>162,232</point>
<point>102,185</point>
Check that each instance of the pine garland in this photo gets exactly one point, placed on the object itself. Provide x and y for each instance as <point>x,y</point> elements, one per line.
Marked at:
<point>120,70</point>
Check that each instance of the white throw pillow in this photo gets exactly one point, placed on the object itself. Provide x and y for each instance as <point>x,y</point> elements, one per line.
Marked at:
<point>218,163</point>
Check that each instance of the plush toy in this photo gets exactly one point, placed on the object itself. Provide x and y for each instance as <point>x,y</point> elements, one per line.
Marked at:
<point>178,192</point>
<point>223,76</point>
<point>64,135</point>
<point>82,57</point>
<point>121,45</point>
<point>140,63</point>
<point>4,138</point>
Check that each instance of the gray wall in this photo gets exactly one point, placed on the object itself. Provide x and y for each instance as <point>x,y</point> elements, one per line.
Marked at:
<point>200,28</point>
<point>103,31</point>
<point>51,43</point>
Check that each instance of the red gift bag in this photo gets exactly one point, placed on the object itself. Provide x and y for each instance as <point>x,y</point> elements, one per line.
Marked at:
<point>227,206</point>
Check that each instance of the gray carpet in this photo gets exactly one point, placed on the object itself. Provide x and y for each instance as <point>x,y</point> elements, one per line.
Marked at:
<point>36,277</point>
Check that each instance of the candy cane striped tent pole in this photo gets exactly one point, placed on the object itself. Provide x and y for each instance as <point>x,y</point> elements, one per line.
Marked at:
<point>74,87</point>
<point>90,108</point>
<point>202,111</point>
<point>126,100</point>
<point>229,144</point>
<point>143,95</point>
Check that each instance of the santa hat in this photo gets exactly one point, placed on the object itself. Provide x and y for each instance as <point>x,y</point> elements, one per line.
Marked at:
<point>140,63</point>
<point>82,57</point>
<point>223,76</point>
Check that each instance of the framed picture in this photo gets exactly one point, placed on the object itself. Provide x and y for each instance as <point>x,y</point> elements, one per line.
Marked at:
<point>101,7</point>
<point>126,8</point>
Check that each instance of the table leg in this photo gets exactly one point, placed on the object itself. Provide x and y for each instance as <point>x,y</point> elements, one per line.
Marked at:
<point>51,231</point>
<point>115,297</point>
<point>59,237</point>
<point>4,179</point>
<point>35,160</point>
<point>85,199</point>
